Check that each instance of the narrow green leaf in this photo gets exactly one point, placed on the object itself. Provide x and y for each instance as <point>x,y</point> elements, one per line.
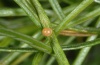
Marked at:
<point>81,45</point>
<point>88,16</point>
<point>29,9</point>
<point>65,47</point>
<point>55,5</point>
<point>73,14</point>
<point>30,41</point>
<point>42,15</point>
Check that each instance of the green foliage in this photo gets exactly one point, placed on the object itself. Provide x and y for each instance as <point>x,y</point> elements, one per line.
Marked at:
<point>22,22</point>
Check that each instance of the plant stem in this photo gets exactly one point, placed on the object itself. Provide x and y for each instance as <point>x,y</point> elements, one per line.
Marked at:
<point>58,52</point>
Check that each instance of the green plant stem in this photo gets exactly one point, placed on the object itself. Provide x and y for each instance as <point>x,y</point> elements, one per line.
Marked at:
<point>56,7</point>
<point>46,24</point>
<point>69,40</point>
<point>61,58</point>
<point>73,14</point>
<point>58,52</point>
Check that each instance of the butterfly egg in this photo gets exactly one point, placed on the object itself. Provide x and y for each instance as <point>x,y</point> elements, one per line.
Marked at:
<point>47,31</point>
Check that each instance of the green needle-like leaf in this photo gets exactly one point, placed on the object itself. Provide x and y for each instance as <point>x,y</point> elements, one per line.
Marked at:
<point>30,41</point>
<point>73,14</point>
<point>29,9</point>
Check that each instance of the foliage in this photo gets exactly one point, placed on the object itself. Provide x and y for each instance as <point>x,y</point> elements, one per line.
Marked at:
<point>75,24</point>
